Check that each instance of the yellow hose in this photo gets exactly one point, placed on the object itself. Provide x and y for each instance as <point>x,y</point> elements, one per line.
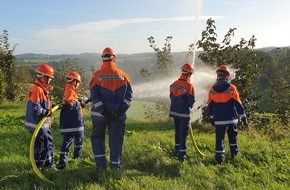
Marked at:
<point>194,142</point>
<point>32,143</point>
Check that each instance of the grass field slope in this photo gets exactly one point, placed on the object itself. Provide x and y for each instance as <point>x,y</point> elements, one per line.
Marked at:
<point>148,158</point>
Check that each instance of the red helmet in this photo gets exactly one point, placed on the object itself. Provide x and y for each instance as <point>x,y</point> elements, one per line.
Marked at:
<point>224,69</point>
<point>45,69</point>
<point>74,75</point>
<point>188,68</point>
<point>109,51</point>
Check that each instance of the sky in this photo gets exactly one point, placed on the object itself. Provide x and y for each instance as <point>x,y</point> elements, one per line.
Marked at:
<point>88,26</point>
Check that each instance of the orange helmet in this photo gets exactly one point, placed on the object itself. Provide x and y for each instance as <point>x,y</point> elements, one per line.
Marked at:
<point>109,51</point>
<point>45,69</point>
<point>73,76</point>
<point>224,69</point>
<point>187,68</point>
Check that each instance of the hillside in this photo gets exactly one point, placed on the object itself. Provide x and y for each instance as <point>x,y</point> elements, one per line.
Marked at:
<point>132,64</point>
<point>157,86</point>
<point>148,159</point>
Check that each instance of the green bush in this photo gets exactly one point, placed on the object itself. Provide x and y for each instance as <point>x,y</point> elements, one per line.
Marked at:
<point>270,125</point>
<point>160,112</point>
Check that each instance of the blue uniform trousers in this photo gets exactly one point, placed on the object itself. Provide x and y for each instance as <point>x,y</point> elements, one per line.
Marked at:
<point>44,149</point>
<point>76,138</point>
<point>116,131</point>
<point>220,144</point>
<point>181,136</point>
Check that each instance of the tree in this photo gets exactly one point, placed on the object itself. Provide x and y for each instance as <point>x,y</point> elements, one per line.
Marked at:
<point>241,57</point>
<point>25,77</point>
<point>280,90</point>
<point>145,73</point>
<point>164,57</point>
<point>164,64</point>
<point>2,82</point>
<point>8,86</point>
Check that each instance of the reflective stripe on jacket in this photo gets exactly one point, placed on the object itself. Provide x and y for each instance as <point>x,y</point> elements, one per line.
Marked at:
<point>224,103</point>
<point>71,115</point>
<point>37,106</point>
<point>182,97</point>
<point>111,91</point>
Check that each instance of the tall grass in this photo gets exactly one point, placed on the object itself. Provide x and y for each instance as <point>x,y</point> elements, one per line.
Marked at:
<point>149,161</point>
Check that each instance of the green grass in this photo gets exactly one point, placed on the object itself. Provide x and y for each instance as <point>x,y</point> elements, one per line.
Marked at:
<point>136,111</point>
<point>148,159</point>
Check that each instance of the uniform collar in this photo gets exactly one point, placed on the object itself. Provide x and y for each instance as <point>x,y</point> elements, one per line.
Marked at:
<point>72,87</point>
<point>184,77</point>
<point>46,87</point>
<point>109,64</point>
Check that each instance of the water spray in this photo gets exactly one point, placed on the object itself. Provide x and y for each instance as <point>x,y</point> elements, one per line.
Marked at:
<point>197,19</point>
<point>199,3</point>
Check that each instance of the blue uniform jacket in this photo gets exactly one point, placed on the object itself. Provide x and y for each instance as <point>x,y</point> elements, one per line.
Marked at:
<point>37,106</point>
<point>224,103</point>
<point>182,97</point>
<point>71,115</point>
<point>111,91</point>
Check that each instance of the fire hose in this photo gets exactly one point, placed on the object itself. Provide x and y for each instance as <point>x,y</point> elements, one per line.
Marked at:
<point>194,142</point>
<point>32,143</point>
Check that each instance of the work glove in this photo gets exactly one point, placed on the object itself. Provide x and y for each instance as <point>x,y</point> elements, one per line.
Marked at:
<point>63,106</point>
<point>122,110</point>
<point>211,122</point>
<point>88,100</point>
<point>48,113</point>
<point>119,112</point>
<point>83,104</point>
<point>85,128</point>
<point>108,116</point>
<point>244,121</point>
<point>116,115</point>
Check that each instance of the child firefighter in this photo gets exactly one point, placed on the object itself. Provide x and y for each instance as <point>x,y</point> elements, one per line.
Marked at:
<point>71,120</point>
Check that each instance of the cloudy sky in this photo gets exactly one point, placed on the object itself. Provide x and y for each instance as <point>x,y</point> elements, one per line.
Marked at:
<point>74,26</point>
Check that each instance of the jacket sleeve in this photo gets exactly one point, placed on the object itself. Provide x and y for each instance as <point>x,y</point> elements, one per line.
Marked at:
<point>210,104</point>
<point>191,96</point>
<point>238,104</point>
<point>127,100</point>
<point>97,104</point>
<point>36,97</point>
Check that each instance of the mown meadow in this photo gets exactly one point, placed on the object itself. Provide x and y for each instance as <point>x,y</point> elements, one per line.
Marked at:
<point>148,158</point>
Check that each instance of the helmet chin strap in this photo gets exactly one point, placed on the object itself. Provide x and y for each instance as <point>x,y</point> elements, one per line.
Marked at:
<point>71,81</point>
<point>76,83</point>
<point>42,78</point>
<point>46,79</point>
